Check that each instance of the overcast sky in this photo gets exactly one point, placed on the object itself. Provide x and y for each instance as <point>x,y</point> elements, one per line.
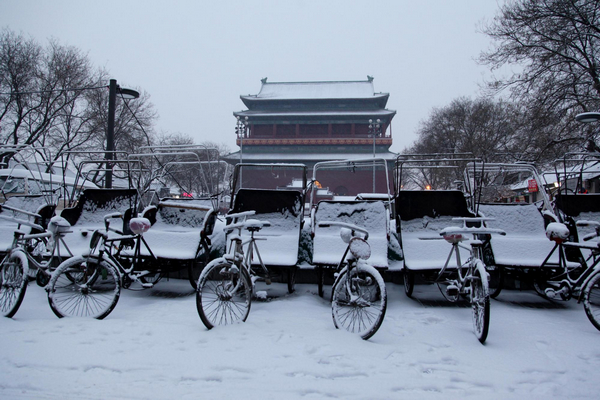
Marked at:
<point>195,58</point>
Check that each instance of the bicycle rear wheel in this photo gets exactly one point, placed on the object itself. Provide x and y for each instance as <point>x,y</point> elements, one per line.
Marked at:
<point>480,301</point>
<point>13,282</point>
<point>82,288</point>
<point>219,298</point>
<point>359,300</point>
<point>591,300</point>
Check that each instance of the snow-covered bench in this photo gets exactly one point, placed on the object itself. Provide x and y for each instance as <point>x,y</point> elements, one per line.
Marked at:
<point>284,209</point>
<point>525,244</point>
<point>88,215</point>
<point>580,207</point>
<point>178,226</point>
<point>35,204</point>
<point>422,215</point>
<point>328,247</point>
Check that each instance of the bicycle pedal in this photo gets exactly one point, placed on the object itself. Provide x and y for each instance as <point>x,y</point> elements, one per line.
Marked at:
<point>452,291</point>
<point>147,285</point>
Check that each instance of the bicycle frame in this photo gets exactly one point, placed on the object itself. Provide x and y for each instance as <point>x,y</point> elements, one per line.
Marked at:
<point>100,240</point>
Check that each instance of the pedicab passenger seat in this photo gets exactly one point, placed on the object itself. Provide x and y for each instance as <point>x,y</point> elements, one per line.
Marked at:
<point>372,215</point>
<point>284,209</point>
<point>88,214</point>
<point>178,226</point>
<point>31,203</point>
<point>422,214</point>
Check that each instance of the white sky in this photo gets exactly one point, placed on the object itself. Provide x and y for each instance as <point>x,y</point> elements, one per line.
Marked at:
<point>195,58</point>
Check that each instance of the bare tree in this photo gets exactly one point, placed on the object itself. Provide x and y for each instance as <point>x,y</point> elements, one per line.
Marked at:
<point>556,44</point>
<point>52,97</point>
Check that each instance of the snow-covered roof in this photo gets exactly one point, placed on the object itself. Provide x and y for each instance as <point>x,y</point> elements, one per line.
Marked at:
<point>358,113</point>
<point>279,157</point>
<point>317,90</point>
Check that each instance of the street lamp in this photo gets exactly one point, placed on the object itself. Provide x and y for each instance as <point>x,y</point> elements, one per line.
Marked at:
<point>374,130</point>
<point>588,117</point>
<point>126,94</point>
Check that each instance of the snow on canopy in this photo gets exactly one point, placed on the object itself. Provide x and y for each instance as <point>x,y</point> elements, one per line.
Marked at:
<point>328,247</point>
<point>525,243</point>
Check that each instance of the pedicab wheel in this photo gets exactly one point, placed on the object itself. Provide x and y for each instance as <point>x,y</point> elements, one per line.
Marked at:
<point>480,302</point>
<point>291,279</point>
<point>359,301</point>
<point>496,280</point>
<point>79,288</point>
<point>409,281</point>
<point>321,281</point>
<point>13,282</point>
<point>223,295</point>
<point>196,266</point>
<point>591,300</point>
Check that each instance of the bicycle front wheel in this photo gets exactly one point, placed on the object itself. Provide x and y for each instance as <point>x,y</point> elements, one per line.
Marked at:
<point>591,300</point>
<point>224,294</point>
<point>359,300</point>
<point>13,282</point>
<point>480,301</point>
<point>82,287</point>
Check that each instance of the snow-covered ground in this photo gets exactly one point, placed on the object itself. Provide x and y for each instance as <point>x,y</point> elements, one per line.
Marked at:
<point>154,345</point>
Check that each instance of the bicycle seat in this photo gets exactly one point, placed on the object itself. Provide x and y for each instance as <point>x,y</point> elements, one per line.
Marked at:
<point>454,238</point>
<point>254,225</point>
<point>139,225</point>
<point>557,232</point>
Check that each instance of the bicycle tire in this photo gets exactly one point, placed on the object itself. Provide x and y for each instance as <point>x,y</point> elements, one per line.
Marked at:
<point>496,280</point>
<point>591,299</point>
<point>480,302</point>
<point>362,311</point>
<point>409,282</point>
<point>196,266</point>
<point>82,288</point>
<point>215,304</point>
<point>291,279</point>
<point>13,282</point>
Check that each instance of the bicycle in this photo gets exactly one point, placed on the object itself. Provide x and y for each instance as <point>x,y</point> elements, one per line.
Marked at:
<point>226,285</point>
<point>90,285</point>
<point>30,253</point>
<point>359,295</point>
<point>581,278</point>
<point>469,279</point>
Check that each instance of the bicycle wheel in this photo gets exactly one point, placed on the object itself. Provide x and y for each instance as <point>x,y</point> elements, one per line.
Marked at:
<point>496,280</point>
<point>591,300</point>
<point>480,301</point>
<point>216,300</point>
<point>82,288</point>
<point>196,266</point>
<point>409,282</point>
<point>359,300</point>
<point>13,282</point>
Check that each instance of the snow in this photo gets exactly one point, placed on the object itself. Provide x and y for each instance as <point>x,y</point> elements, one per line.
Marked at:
<point>422,245</point>
<point>328,247</point>
<point>154,345</point>
<point>525,243</point>
<point>316,90</point>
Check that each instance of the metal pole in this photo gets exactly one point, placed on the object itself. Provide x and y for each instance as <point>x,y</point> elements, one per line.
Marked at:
<point>110,131</point>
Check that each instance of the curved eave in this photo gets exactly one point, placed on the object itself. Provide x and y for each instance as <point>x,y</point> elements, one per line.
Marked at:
<point>265,117</point>
<point>253,102</point>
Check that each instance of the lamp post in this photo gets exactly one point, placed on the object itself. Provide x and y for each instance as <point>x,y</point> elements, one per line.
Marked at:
<point>586,118</point>
<point>374,130</point>
<point>240,130</point>
<point>126,94</point>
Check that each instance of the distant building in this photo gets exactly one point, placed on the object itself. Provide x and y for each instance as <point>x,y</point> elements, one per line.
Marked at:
<point>307,122</point>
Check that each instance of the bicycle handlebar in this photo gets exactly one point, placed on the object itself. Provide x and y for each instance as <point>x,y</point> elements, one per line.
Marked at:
<point>327,224</point>
<point>241,214</point>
